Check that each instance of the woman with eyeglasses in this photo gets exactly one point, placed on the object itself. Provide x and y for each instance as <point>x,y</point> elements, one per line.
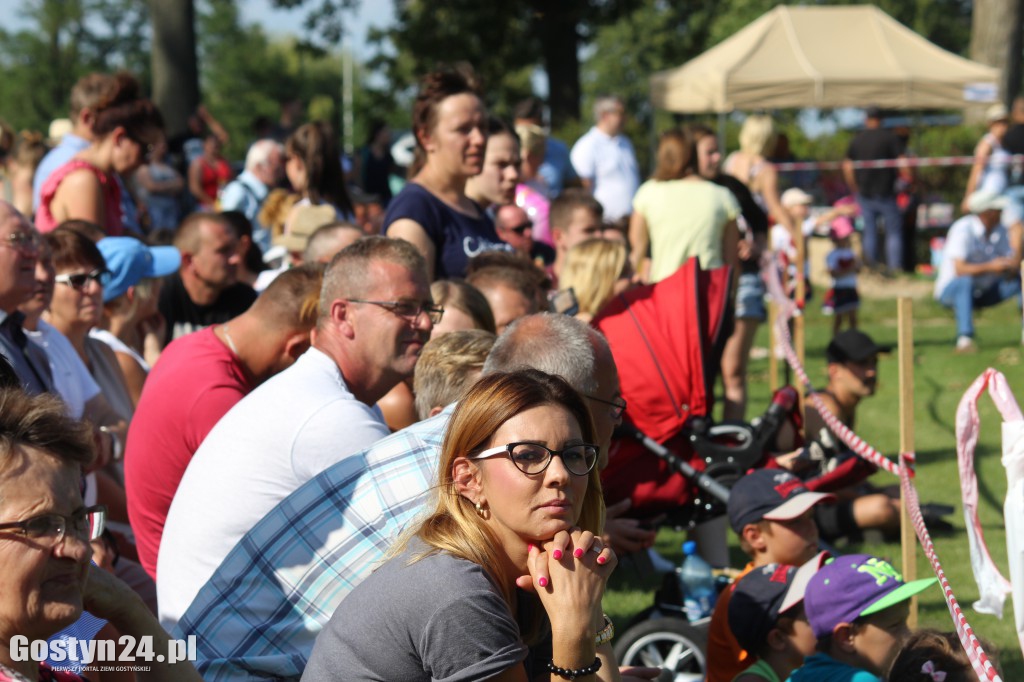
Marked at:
<point>125,128</point>
<point>46,579</point>
<point>504,579</point>
<point>77,307</point>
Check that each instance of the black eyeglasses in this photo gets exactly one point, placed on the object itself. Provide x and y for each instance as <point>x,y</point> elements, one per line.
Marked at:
<point>521,228</point>
<point>78,280</point>
<point>22,241</point>
<point>617,403</point>
<point>85,524</point>
<point>534,458</point>
<point>409,310</point>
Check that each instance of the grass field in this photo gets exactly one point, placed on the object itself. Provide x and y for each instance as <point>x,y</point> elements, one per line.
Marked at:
<point>940,378</point>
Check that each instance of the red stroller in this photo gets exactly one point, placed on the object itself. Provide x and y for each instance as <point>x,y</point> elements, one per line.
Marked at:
<point>669,457</point>
<point>667,341</point>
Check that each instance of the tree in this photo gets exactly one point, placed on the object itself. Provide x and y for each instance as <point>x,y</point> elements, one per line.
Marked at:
<point>996,41</point>
<point>506,42</point>
<point>175,69</point>
<point>64,40</point>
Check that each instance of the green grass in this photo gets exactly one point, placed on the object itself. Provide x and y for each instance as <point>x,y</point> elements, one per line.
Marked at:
<point>940,379</point>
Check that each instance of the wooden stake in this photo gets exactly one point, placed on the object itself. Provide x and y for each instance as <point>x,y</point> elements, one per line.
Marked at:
<point>908,538</point>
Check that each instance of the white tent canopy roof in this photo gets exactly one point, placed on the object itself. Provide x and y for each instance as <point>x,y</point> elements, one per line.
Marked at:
<point>845,56</point>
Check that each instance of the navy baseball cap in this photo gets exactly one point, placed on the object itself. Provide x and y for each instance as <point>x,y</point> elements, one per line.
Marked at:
<point>771,494</point>
<point>763,594</point>
<point>129,261</point>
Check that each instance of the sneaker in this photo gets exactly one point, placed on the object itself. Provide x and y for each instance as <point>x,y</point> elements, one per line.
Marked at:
<point>965,345</point>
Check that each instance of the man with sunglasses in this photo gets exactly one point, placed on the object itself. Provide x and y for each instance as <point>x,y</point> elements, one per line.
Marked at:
<point>375,316</point>
<point>346,518</point>
<point>516,229</point>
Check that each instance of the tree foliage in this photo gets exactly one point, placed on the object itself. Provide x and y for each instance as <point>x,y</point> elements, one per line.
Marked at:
<point>64,40</point>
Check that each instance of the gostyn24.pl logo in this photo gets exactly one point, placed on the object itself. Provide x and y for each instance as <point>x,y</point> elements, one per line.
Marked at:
<point>126,649</point>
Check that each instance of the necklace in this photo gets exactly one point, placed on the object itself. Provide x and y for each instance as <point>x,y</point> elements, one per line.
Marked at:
<point>227,337</point>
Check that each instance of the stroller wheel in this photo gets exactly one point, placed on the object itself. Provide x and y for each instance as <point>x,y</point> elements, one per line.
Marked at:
<point>672,644</point>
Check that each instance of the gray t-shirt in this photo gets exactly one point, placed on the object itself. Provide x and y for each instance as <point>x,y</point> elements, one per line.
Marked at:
<point>439,619</point>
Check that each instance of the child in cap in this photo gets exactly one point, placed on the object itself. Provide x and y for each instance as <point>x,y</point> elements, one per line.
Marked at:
<point>857,607</point>
<point>772,513</point>
<point>842,299</point>
<point>767,618</point>
<point>932,656</point>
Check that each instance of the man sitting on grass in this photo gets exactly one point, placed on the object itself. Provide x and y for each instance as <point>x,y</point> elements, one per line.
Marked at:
<point>980,267</point>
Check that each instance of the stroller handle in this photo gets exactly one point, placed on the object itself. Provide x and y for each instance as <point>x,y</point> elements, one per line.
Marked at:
<point>702,480</point>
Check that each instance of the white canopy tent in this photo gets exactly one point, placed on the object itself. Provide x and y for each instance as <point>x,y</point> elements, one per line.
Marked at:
<point>842,56</point>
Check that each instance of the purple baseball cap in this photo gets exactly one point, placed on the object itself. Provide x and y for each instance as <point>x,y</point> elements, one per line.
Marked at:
<point>771,494</point>
<point>852,586</point>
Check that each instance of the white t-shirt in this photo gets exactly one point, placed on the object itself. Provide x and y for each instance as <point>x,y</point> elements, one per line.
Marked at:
<point>610,163</point>
<point>282,434</point>
<point>968,242</point>
<point>71,378</point>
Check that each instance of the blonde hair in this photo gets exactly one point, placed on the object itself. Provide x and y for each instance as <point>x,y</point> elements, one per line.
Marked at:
<point>448,366</point>
<point>591,269</point>
<point>757,136</point>
<point>532,139</point>
<point>454,526</point>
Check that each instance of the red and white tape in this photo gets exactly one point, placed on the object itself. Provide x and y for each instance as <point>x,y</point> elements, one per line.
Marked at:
<point>979,659</point>
<point>906,162</point>
<point>787,309</point>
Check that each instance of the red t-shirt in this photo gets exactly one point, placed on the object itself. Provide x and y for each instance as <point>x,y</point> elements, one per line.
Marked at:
<point>197,380</point>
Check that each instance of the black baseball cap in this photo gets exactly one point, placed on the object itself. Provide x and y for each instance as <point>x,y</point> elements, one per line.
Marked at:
<point>763,594</point>
<point>853,346</point>
<point>771,494</point>
<point>873,111</point>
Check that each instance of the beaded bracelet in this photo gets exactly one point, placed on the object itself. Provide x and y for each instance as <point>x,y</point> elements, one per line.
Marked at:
<point>606,633</point>
<point>570,674</point>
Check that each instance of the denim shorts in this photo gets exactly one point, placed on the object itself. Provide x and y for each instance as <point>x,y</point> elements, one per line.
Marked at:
<point>750,298</point>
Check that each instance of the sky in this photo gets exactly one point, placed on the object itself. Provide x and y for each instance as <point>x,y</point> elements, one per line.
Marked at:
<point>276,22</point>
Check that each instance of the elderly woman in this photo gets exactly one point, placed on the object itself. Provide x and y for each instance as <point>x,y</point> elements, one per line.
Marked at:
<point>596,270</point>
<point>45,531</point>
<point>432,211</point>
<point>519,505</point>
<point>77,307</point>
<point>125,127</point>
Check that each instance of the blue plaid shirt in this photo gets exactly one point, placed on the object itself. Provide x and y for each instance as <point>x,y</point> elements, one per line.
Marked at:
<point>259,615</point>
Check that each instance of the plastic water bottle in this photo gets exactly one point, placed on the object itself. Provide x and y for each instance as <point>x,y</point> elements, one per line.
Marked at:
<point>697,583</point>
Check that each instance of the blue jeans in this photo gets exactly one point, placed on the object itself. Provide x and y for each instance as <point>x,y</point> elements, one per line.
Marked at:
<point>871,209</point>
<point>963,297</point>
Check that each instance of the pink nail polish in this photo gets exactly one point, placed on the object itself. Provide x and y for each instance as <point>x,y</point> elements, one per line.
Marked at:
<point>542,581</point>
<point>578,553</point>
<point>601,560</point>
<point>557,554</point>
<point>529,548</point>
